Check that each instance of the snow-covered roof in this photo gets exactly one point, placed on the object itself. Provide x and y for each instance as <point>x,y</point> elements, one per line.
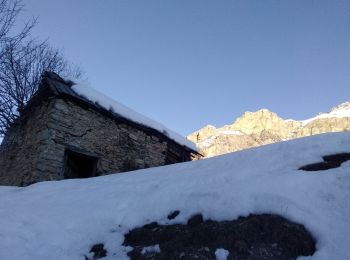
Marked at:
<point>62,220</point>
<point>110,104</point>
<point>85,93</point>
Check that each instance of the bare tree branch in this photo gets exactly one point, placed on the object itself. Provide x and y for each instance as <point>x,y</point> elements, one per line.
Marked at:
<point>22,62</point>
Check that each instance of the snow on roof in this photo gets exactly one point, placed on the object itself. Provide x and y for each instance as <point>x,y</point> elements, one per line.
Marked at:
<point>63,219</point>
<point>108,103</point>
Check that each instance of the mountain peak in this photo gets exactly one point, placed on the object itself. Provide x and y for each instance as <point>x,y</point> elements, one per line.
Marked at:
<point>343,107</point>
<point>264,127</point>
<point>259,112</point>
<point>257,121</point>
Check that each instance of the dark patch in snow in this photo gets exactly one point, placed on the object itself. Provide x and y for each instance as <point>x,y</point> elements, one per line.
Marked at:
<point>98,251</point>
<point>195,220</point>
<point>254,237</point>
<point>329,162</point>
<point>151,225</point>
<point>173,214</point>
<point>339,157</point>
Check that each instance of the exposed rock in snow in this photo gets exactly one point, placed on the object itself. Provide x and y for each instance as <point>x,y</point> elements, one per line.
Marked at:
<point>97,251</point>
<point>254,237</point>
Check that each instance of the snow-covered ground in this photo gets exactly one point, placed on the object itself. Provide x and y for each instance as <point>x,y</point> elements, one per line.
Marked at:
<point>86,91</point>
<point>63,219</point>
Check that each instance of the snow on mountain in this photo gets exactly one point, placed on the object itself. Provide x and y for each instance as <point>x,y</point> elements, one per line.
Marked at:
<point>343,110</point>
<point>265,127</point>
<point>63,219</point>
<point>230,132</point>
<point>110,104</point>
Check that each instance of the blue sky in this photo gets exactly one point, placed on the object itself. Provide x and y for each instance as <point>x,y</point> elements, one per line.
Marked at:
<point>189,63</point>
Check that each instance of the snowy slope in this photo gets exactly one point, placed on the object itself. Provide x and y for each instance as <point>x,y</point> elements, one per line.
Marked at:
<point>108,103</point>
<point>62,220</point>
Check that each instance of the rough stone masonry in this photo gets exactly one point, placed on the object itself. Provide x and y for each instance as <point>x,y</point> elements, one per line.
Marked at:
<point>60,136</point>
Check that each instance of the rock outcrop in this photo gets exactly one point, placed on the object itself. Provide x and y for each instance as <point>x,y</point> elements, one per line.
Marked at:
<point>265,127</point>
<point>263,237</point>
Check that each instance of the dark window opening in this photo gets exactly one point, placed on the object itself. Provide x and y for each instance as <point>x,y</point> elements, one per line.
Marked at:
<point>79,165</point>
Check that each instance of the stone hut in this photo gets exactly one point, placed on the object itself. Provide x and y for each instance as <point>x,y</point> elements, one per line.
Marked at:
<point>63,134</point>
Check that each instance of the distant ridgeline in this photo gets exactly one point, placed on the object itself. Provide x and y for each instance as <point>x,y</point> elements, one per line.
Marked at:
<point>265,127</point>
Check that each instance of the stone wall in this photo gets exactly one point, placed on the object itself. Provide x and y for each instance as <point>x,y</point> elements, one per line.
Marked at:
<point>120,147</point>
<point>22,146</point>
<point>58,125</point>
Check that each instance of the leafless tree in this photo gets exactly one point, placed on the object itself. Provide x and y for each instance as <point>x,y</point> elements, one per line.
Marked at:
<point>9,11</point>
<point>22,62</point>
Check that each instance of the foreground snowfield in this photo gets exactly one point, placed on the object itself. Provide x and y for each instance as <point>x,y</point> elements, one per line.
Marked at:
<point>62,220</point>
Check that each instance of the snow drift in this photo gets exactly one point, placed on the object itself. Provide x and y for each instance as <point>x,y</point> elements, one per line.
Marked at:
<point>63,219</point>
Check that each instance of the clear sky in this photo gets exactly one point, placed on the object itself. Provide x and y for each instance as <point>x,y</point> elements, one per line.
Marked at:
<point>189,63</point>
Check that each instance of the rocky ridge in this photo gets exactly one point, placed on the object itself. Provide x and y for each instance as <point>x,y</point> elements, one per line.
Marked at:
<point>264,127</point>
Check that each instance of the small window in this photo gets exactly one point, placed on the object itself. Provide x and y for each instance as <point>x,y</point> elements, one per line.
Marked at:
<point>79,165</point>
